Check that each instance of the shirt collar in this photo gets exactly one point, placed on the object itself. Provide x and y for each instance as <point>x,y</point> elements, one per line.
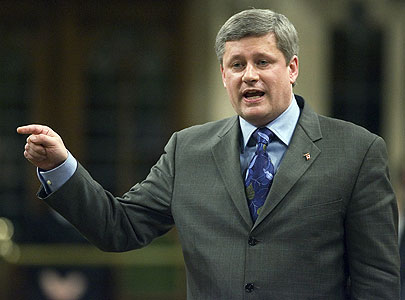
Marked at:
<point>283,126</point>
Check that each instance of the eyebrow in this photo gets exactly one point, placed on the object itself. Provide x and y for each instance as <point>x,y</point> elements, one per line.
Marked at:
<point>235,56</point>
<point>255,56</point>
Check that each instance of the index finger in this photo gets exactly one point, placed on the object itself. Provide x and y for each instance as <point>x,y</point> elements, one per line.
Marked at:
<point>35,129</point>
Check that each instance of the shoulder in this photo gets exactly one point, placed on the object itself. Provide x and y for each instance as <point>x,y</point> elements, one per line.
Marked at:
<point>328,129</point>
<point>200,138</point>
<point>344,129</point>
<point>352,139</point>
<point>208,131</point>
<point>348,135</point>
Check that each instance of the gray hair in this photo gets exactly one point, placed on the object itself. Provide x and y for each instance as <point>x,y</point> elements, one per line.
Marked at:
<point>258,22</point>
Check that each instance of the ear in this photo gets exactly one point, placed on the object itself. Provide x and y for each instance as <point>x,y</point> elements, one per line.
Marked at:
<point>223,75</point>
<point>293,69</point>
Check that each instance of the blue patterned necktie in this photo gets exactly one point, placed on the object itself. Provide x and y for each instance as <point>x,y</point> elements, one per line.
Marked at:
<point>260,172</point>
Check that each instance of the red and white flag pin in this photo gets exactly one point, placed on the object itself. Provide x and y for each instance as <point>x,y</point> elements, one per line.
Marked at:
<point>307,156</point>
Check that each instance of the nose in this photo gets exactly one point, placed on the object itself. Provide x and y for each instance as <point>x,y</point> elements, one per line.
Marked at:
<point>251,74</point>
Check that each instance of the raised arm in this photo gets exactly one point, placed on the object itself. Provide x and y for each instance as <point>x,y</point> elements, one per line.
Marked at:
<point>44,148</point>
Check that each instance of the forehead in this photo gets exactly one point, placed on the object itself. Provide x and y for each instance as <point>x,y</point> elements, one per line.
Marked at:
<point>252,45</point>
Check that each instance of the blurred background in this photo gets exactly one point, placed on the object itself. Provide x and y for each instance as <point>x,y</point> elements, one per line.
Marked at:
<point>115,79</point>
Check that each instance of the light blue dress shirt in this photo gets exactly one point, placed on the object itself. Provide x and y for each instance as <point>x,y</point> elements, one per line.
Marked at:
<point>283,127</point>
<point>53,179</point>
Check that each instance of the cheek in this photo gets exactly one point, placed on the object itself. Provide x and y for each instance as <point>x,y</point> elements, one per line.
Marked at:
<point>228,89</point>
<point>233,99</point>
<point>226,76</point>
<point>231,86</point>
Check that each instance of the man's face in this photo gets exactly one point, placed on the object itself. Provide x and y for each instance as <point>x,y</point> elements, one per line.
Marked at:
<point>257,78</point>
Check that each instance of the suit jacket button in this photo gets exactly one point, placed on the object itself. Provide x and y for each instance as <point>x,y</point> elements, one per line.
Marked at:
<point>252,241</point>
<point>249,287</point>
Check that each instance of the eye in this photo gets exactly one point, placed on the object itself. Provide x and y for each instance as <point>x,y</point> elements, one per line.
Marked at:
<point>263,62</point>
<point>237,65</point>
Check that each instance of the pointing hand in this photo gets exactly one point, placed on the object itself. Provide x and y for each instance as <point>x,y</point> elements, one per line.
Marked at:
<point>44,147</point>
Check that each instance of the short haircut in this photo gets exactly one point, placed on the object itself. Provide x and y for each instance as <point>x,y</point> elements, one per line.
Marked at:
<point>258,22</point>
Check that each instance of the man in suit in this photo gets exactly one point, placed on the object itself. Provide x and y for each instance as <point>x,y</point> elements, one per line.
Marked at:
<point>328,226</point>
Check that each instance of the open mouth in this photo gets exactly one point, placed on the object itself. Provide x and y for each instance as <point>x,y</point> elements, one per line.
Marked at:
<point>253,95</point>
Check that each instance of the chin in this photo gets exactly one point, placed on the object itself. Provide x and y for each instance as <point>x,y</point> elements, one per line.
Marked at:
<point>257,119</point>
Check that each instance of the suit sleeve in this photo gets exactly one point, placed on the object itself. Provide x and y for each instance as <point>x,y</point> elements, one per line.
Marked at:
<point>371,230</point>
<point>119,223</point>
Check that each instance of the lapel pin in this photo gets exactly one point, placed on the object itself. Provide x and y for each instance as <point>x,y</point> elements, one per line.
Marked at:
<point>307,156</point>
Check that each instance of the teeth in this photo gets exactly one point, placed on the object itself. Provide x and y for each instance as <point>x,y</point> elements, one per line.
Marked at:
<point>254,94</point>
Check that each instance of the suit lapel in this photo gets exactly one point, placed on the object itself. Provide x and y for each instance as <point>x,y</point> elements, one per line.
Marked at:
<point>226,152</point>
<point>294,163</point>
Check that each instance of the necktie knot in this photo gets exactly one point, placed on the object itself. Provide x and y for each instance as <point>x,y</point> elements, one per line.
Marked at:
<point>263,136</point>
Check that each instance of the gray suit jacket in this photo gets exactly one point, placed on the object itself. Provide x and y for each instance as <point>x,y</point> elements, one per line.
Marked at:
<point>328,227</point>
